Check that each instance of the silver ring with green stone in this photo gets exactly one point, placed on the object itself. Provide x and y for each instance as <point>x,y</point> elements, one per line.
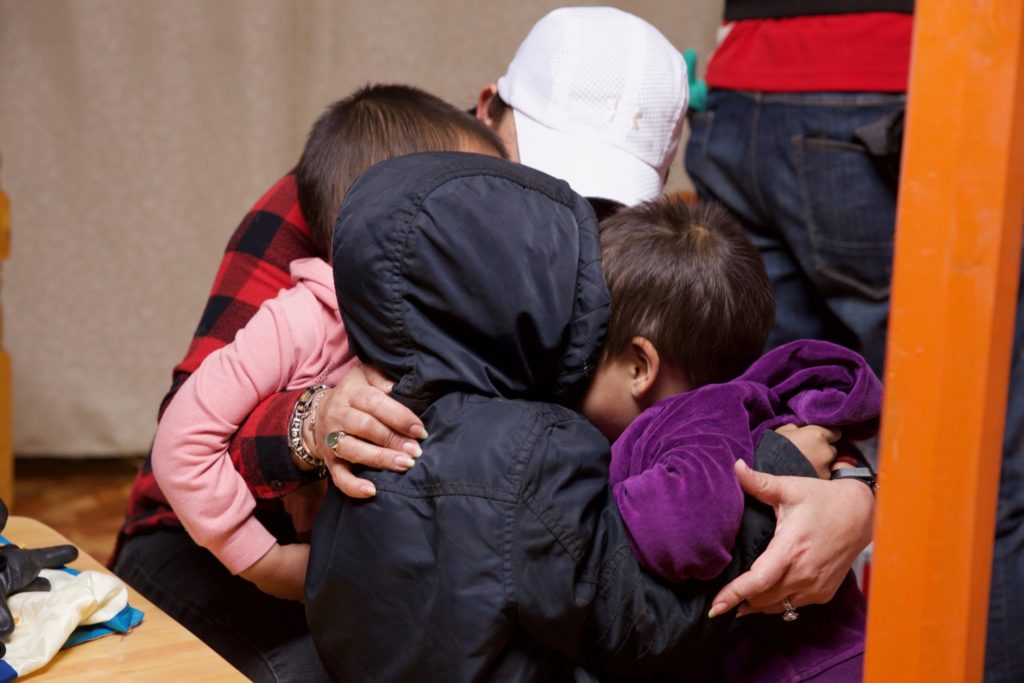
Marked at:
<point>333,440</point>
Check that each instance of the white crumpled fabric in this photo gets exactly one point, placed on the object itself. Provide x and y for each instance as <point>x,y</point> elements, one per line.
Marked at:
<point>43,621</point>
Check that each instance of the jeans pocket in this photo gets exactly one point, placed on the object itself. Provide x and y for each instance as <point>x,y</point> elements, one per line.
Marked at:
<point>850,213</point>
<point>696,158</point>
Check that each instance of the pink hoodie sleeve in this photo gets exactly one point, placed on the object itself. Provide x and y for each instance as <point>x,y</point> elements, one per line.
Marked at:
<point>190,451</point>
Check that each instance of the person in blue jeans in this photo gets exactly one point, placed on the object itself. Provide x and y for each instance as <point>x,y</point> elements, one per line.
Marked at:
<point>800,138</point>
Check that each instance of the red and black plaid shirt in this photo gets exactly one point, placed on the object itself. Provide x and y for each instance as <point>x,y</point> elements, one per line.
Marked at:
<point>255,268</point>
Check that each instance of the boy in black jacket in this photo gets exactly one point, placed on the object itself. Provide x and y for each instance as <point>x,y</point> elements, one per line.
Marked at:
<point>476,284</point>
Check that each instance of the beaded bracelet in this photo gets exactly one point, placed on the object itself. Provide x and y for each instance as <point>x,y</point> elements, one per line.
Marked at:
<point>303,407</point>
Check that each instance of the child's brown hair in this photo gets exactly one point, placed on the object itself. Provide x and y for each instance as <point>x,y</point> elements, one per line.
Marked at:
<point>686,278</point>
<point>375,123</point>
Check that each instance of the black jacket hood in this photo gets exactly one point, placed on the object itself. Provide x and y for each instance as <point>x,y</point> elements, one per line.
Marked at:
<point>462,272</point>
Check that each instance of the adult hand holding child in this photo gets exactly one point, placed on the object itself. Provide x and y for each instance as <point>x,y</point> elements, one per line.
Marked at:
<point>372,430</point>
<point>822,526</point>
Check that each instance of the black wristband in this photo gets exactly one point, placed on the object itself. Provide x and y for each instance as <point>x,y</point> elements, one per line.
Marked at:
<point>862,474</point>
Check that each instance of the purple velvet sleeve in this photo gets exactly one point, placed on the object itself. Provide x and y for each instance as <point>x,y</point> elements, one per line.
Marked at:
<point>816,382</point>
<point>672,469</point>
<point>672,477</point>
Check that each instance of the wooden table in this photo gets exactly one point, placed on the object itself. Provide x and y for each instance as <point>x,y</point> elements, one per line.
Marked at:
<point>159,649</point>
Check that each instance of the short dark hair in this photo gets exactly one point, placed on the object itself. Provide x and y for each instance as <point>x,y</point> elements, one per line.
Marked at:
<point>375,123</point>
<point>686,278</point>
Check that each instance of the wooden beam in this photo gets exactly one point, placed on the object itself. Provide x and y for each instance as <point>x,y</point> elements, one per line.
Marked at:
<point>6,400</point>
<point>958,245</point>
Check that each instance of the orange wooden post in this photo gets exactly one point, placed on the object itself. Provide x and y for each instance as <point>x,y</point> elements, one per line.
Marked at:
<point>958,246</point>
<point>6,421</point>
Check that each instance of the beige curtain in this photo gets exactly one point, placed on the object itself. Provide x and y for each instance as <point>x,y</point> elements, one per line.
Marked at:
<point>134,136</point>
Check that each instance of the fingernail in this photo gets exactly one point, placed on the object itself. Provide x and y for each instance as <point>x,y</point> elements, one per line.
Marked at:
<point>742,612</point>
<point>741,464</point>
<point>419,432</point>
<point>369,489</point>
<point>412,448</point>
<point>404,462</point>
<point>716,609</point>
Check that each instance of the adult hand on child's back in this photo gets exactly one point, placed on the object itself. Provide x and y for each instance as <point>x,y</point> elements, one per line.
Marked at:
<point>822,526</point>
<point>377,431</point>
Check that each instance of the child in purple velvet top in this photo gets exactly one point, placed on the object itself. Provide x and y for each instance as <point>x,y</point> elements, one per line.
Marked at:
<point>682,390</point>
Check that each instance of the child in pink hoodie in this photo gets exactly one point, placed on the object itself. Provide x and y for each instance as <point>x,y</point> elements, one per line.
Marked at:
<point>295,340</point>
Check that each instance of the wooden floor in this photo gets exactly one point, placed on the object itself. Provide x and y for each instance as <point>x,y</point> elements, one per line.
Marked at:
<point>83,499</point>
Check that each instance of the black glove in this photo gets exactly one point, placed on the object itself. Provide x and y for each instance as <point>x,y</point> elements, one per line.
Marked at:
<point>19,571</point>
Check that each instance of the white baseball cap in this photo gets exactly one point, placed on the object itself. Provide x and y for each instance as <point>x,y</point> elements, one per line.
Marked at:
<point>598,97</point>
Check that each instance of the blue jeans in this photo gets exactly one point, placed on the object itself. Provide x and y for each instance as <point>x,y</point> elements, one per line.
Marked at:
<point>265,638</point>
<point>1004,653</point>
<point>822,214</point>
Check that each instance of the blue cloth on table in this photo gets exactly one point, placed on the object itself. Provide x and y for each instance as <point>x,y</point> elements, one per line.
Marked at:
<point>124,621</point>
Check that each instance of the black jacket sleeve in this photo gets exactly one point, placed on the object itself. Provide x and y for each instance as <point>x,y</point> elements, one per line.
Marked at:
<point>580,589</point>
<point>578,586</point>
